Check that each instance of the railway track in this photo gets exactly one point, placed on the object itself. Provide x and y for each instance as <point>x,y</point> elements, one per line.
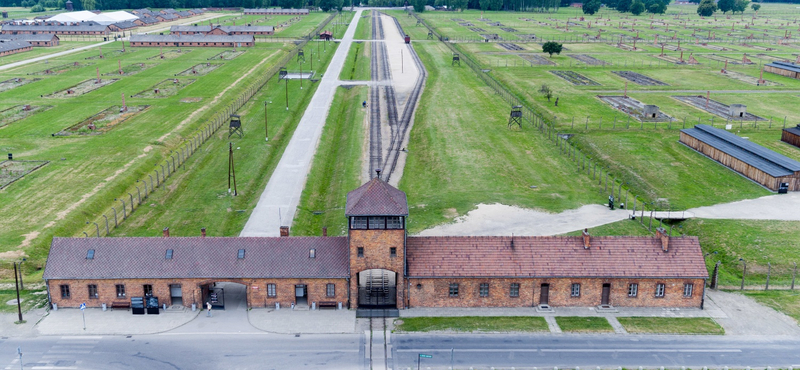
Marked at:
<point>377,328</point>
<point>398,124</point>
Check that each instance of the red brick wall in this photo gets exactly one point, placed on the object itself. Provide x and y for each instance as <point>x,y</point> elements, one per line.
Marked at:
<point>191,289</point>
<point>435,292</point>
<point>376,244</point>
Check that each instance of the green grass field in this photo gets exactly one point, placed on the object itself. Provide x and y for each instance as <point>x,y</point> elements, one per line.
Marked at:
<point>785,301</point>
<point>336,168</point>
<point>580,324</point>
<point>473,324</point>
<point>357,64</point>
<point>671,325</point>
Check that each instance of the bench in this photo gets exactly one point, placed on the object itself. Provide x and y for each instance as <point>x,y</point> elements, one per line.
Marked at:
<point>328,304</point>
<point>125,305</point>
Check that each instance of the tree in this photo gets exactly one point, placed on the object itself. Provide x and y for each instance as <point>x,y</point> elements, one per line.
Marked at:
<point>726,5</point>
<point>656,6</point>
<point>590,7</point>
<point>637,7</point>
<point>755,7</point>
<point>37,8</point>
<point>546,91</point>
<point>551,47</point>
<point>706,8</point>
<point>484,4</point>
<point>740,6</point>
<point>624,5</point>
<point>419,5</point>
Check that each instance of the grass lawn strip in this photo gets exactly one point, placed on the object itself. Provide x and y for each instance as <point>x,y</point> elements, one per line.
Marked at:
<point>671,325</point>
<point>336,167</point>
<point>581,324</point>
<point>473,324</point>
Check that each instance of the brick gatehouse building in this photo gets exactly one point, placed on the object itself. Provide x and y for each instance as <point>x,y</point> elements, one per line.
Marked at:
<point>379,265</point>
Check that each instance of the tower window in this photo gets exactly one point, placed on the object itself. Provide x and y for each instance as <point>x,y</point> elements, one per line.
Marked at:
<point>377,223</point>
<point>358,223</point>
<point>361,251</point>
<point>394,222</point>
<point>393,252</point>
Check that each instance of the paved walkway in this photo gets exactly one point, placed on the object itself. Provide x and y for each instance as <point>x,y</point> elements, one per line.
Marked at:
<point>771,207</point>
<point>277,205</point>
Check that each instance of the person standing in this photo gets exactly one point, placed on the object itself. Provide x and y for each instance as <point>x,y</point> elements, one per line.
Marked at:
<point>208,306</point>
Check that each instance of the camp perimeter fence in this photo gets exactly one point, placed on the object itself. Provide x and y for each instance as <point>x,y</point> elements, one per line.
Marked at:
<point>606,182</point>
<point>129,201</point>
<point>686,41</point>
<point>625,122</point>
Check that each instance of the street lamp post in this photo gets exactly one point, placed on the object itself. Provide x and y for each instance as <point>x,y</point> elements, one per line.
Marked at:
<point>16,283</point>
<point>266,126</point>
<point>21,285</point>
<point>744,272</point>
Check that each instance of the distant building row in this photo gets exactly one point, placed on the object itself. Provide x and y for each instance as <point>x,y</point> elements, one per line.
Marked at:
<point>196,40</point>
<point>276,11</point>
<point>222,30</point>
<point>95,24</point>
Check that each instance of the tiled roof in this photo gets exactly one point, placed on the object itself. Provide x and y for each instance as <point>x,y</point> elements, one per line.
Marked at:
<point>227,29</point>
<point>768,161</point>
<point>125,25</point>
<point>149,20</point>
<point>376,198</point>
<point>276,11</point>
<point>191,38</point>
<point>29,37</point>
<point>13,45</point>
<point>550,256</point>
<point>793,130</point>
<point>197,257</point>
<point>190,28</point>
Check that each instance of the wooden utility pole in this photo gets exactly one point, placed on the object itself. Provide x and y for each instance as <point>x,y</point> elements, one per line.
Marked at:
<point>231,170</point>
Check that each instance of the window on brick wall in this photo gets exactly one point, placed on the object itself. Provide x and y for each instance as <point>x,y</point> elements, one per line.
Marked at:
<point>688,289</point>
<point>393,252</point>
<point>330,290</point>
<point>633,289</point>
<point>271,291</point>
<point>120,291</point>
<point>377,223</point>
<point>514,291</point>
<point>575,290</point>
<point>484,290</point>
<point>660,287</point>
<point>148,290</point>
<point>93,291</point>
<point>64,291</point>
<point>454,289</point>
<point>361,251</point>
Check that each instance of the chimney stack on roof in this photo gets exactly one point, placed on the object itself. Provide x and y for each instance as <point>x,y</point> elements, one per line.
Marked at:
<point>586,239</point>
<point>166,232</point>
<point>284,230</point>
<point>378,173</point>
<point>661,233</point>
<point>203,232</point>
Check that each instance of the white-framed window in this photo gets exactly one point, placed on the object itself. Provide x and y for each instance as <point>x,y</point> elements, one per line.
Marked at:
<point>688,289</point>
<point>483,290</point>
<point>394,222</point>
<point>576,290</point>
<point>514,290</point>
<point>358,223</point>
<point>660,288</point>
<point>633,289</point>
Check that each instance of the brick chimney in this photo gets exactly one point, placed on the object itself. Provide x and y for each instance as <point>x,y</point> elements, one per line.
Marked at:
<point>324,231</point>
<point>661,233</point>
<point>203,232</point>
<point>586,239</point>
<point>284,230</point>
<point>165,232</point>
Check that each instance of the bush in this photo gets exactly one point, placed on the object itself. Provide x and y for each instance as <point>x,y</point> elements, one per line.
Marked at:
<point>37,8</point>
<point>637,7</point>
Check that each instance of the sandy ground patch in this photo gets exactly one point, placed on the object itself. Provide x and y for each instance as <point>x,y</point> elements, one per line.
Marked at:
<point>501,219</point>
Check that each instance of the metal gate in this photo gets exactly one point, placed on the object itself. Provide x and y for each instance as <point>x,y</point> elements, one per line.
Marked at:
<point>378,290</point>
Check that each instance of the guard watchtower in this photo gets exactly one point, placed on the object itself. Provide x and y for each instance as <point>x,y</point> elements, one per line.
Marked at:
<point>282,73</point>
<point>456,59</point>
<point>516,116</point>
<point>235,126</point>
<point>376,214</point>
<point>301,55</point>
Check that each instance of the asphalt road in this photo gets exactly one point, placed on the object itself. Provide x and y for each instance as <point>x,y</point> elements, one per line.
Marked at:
<point>606,351</point>
<point>270,351</point>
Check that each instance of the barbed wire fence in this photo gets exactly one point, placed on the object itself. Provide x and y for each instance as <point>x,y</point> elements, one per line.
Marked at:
<point>130,200</point>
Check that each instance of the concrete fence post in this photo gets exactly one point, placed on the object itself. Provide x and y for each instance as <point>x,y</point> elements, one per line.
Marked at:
<point>107,230</point>
<point>115,217</point>
<point>769,272</point>
<point>131,195</point>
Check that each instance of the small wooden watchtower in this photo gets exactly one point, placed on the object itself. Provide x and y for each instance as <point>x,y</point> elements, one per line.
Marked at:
<point>301,55</point>
<point>282,73</point>
<point>235,126</point>
<point>456,59</point>
<point>516,116</point>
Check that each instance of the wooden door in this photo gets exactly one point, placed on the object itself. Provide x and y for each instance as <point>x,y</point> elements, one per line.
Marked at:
<point>606,294</point>
<point>544,295</point>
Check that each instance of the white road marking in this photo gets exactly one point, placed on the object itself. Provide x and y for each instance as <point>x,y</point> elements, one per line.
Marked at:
<point>573,350</point>
<point>82,337</point>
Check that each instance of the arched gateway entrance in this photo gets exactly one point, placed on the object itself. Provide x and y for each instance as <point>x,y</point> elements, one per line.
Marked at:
<point>377,288</point>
